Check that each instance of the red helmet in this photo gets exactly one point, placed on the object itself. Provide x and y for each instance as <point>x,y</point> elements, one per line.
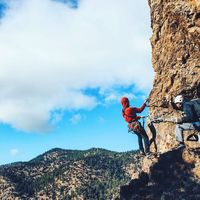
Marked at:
<point>125,102</point>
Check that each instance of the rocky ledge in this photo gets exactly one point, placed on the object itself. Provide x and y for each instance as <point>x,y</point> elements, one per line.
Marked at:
<point>172,175</point>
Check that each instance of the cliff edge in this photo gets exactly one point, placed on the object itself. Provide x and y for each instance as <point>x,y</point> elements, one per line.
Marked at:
<point>172,173</point>
<point>176,60</point>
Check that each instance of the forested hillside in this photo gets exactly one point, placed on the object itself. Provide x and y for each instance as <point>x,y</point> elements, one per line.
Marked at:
<point>69,174</point>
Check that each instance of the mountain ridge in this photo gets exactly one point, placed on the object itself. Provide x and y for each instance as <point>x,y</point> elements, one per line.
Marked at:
<point>69,174</point>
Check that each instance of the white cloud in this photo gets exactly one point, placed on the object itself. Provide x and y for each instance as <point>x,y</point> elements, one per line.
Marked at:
<point>111,95</point>
<point>14,152</point>
<point>50,53</point>
<point>75,119</point>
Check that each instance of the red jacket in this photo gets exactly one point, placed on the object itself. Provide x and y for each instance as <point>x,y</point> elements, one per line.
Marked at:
<point>130,113</point>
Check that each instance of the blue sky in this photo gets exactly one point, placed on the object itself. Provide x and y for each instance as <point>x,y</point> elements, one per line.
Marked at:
<point>66,65</point>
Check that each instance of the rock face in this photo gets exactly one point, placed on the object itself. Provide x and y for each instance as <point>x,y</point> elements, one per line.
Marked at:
<point>176,59</point>
<point>174,173</point>
<point>171,176</point>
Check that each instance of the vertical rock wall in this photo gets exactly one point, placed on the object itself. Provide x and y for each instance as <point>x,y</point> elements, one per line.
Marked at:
<point>176,59</point>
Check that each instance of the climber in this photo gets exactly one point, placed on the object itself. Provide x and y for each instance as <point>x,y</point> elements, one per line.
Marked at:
<point>130,116</point>
<point>190,119</point>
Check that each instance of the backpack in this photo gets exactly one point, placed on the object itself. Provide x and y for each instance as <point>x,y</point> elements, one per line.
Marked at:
<point>195,103</point>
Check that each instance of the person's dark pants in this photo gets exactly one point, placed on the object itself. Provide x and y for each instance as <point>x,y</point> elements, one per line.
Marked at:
<point>142,135</point>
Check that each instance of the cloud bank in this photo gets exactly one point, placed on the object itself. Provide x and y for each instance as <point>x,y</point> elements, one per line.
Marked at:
<point>51,53</point>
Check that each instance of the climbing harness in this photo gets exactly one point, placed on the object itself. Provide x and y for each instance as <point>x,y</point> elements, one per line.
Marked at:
<point>134,126</point>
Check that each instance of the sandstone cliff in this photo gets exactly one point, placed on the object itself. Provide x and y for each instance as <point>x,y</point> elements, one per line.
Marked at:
<point>176,59</point>
<point>173,173</point>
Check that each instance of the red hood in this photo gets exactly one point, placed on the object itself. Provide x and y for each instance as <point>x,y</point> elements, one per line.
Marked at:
<point>125,102</point>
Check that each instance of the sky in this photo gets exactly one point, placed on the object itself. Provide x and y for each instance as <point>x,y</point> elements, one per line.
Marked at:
<point>64,66</point>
